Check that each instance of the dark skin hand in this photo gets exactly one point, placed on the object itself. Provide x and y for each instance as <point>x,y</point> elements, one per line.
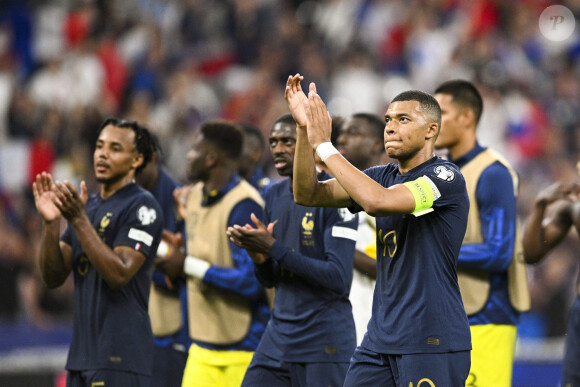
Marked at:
<point>257,241</point>
<point>172,264</point>
<point>68,201</point>
<point>117,266</point>
<point>550,220</point>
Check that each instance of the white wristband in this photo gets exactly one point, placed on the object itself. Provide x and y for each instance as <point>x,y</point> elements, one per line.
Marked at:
<point>195,267</point>
<point>325,150</point>
<point>163,249</point>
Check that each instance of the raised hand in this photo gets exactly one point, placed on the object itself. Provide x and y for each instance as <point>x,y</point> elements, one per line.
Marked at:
<point>295,99</point>
<point>319,122</point>
<point>560,190</point>
<point>42,189</point>
<point>66,198</point>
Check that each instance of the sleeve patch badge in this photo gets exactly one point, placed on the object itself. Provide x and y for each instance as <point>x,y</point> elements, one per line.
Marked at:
<point>434,189</point>
<point>146,215</point>
<point>344,232</point>
<point>140,236</point>
<point>444,173</point>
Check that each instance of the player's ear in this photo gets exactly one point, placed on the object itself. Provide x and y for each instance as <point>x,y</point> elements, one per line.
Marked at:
<point>467,116</point>
<point>211,158</point>
<point>432,131</point>
<point>138,160</point>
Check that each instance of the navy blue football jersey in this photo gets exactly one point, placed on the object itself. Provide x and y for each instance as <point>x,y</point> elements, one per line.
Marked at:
<point>311,268</point>
<point>111,327</point>
<point>417,306</point>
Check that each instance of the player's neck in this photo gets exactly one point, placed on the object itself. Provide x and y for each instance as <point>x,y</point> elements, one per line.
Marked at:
<point>219,177</point>
<point>412,162</point>
<point>461,148</point>
<point>109,188</point>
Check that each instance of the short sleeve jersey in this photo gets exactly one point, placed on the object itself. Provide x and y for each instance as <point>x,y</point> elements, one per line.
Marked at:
<point>417,306</point>
<point>311,322</point>
<point>111,327</point>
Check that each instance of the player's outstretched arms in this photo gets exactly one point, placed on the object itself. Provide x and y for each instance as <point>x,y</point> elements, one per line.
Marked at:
<point>375,199</point>
<point>550,220</point>
<point>308,191</point>
<point>295,99</point>
<point>54,256</point>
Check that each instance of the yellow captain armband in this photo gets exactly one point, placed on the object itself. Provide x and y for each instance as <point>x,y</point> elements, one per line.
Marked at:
<point>425,192</point>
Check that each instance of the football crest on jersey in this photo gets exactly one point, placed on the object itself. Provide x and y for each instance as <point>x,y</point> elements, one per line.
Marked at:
<point>307,227</point>
<point>104,223</point>
<point>444,173</point>
<point>146,215</point>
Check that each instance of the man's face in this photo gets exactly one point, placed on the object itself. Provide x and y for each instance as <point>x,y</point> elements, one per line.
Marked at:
<point>115,154</point>
<point>357,142</point>
<point>197,168</point>
<point>282,146</point>
<point>406,129</point>
<point>250,156</point>
<point>451,128</point>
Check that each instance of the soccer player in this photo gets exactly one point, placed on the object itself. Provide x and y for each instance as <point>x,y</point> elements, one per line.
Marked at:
<point>249,163</point>
<point>109,245</point>
<point>360,141</point>
<point>227,307</point>
<point>308,257</point>
<point>555,213</point>
<point>490,268</point>
<point>418,333</point>
<point>168,294</point>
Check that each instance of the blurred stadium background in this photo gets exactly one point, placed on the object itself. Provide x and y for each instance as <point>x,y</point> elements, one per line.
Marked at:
<point>65,65</point>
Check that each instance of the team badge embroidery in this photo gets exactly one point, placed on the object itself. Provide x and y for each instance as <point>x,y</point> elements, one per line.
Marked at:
<point>444,173</point>
<point>105,221</point>
<point>146,215</point>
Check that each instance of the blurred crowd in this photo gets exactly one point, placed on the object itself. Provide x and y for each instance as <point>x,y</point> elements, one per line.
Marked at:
<point>66,65</point>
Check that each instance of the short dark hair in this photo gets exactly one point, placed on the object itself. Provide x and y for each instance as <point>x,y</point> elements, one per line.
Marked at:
<point>144,141</point>
<point>427,103</point>
<point>253,131</point>
<point>285,119</point>
<point>226,135</point>
<point>157,146</point>
<point>463,93</point>
<point>376,123</point>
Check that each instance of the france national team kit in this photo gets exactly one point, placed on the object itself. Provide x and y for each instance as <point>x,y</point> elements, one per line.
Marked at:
<point>417,306</point>
<point>111,328</point>
<point>311,266</point>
